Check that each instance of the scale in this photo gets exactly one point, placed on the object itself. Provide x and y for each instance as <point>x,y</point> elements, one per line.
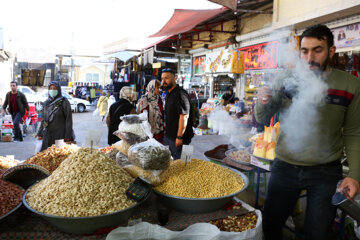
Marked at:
<point>138,189</point>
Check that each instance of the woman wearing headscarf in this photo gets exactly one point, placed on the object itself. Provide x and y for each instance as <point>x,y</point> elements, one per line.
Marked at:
<point>57,118</point>
<point>102,106</point>
<point>152,102</point>
<point>122,107</point>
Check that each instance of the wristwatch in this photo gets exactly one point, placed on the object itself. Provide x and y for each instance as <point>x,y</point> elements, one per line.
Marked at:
<point>179,137</point>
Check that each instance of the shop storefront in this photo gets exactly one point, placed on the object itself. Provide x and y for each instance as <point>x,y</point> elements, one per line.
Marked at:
<point>347,42</point>
<point>218,65</point>
<point>261,62</point>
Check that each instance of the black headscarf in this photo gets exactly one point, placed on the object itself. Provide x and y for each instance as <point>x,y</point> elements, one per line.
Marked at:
<point>58,87</point>
<point>54,104</point>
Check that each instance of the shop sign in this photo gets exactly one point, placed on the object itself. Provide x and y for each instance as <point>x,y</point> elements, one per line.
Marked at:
<point>199,64</point>
<point>347,36</point>
<point>219,61</point>
<point>261,56</point>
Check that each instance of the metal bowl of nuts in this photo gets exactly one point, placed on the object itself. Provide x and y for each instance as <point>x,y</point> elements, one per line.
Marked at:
<point>86,225</point>
<point>238,156</point>
<point>202,204</point>
<point>10,198</point>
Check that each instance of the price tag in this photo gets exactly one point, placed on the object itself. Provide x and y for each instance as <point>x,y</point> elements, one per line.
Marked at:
<point>187,152</point>
<point>92,139</point>
<point>59,143</point>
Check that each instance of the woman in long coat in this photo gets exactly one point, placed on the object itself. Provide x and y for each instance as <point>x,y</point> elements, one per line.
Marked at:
<point>57,118</point>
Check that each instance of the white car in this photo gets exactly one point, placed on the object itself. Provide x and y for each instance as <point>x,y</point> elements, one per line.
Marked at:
<point>77,104</point>
<point>31,95</point>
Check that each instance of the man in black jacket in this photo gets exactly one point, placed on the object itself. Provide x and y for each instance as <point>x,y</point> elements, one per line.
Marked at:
<point>17,103</point>
<point>178,119</point>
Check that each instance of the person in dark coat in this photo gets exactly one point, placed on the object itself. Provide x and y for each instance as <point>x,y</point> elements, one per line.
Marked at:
<point>120,108</point>
<point>57,118</point>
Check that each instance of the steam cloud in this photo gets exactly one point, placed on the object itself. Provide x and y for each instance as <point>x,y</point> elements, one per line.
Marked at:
<point>298,121</point>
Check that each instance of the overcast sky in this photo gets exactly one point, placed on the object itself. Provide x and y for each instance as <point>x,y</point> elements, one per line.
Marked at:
<point>94,23</point>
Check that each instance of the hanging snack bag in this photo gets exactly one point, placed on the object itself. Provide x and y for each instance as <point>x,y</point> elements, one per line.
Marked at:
<point>150,155</point>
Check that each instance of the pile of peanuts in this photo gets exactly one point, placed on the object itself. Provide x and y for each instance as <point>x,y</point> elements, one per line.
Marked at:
<point>10,196</point>
<point>87,183</point>
<point>199,179</point>
<point>51,157</point>
<point>236,223</point>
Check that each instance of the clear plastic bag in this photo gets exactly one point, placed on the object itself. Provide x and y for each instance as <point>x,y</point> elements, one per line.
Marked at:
<point>131,138</point>
<point>198,231</point>
<point>122,146</point>
<point>136,125</point>
<point>150,155</point>
<point>152,176</point>
<point>121,159</point>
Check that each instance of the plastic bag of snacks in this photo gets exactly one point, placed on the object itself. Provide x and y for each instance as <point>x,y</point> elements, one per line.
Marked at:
<point>150,155</point>
<point>152,176</point>
<point>122,146</point>
<point>134,128</point>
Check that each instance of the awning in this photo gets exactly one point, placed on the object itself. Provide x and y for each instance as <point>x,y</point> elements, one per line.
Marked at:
<point>123,55</point>
<point>232,4</point>
<point>184,20</point>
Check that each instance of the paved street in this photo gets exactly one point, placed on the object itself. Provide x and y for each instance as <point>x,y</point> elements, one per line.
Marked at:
<point>86,121</point>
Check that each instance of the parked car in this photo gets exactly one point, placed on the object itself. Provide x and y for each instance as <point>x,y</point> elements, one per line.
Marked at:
<point>77,104</point>
<point>31,95</point>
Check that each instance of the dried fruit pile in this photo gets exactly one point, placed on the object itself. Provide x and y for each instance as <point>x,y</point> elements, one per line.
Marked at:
<point>52,157</point>
<point>236,223</point>
<point>10,196</point>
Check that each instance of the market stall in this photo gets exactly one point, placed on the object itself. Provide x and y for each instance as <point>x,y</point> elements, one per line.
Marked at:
<point>92,192</point>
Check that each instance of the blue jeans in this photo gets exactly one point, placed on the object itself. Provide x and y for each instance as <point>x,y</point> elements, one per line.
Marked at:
<point>175,151</point>
<point>286,182</point>
<point>16,117</point>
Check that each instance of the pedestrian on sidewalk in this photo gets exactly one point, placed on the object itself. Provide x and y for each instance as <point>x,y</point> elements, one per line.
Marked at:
<point>315,167</point>
<point>102,106</point>
<point>122,107</point>
<point>57,122</point>
<point>17,103</point>
<point>152,102</point>
<point>178,117</point>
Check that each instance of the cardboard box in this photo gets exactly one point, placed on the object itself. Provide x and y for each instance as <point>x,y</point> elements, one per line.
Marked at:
<point>260,163</point>
<point>7,138</point>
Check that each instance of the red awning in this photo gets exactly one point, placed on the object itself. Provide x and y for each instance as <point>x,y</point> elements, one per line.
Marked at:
<point>184,20</point>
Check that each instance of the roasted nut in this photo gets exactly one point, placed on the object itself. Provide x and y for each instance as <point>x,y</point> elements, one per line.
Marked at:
<point>199,179</point>
<point>10,196</point>
<point>51,157</point>
<point>85,184</point>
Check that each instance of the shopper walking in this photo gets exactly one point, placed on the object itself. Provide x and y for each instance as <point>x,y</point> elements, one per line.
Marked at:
<point>57,118</point>
<point>178,115</point>
<point>152,102</point>
<point>122,107</point>
<point>317,167</point>
<point>17,104</point>
<point>102,106</point>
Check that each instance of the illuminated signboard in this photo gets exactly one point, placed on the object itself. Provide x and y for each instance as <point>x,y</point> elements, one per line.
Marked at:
<point>199,64</point>
<point>261,56</point>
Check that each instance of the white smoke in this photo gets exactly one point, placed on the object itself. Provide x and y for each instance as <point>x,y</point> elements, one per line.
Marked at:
<point>309,89</point>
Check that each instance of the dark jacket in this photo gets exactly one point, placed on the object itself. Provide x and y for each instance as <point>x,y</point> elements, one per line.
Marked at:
<point>21,101</point>
<point>57,120</point>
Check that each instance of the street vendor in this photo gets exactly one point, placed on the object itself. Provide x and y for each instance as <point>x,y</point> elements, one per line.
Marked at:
<point>317,168</point>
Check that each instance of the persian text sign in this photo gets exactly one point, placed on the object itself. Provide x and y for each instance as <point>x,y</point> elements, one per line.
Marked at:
<point>347,36</point>
<point>261,56</point>
<point>219,61</point>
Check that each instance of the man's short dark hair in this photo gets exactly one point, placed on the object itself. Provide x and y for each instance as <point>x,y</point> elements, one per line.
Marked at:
<point>169,70</point>
<point>320,32</point>
<point>15,82</point>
